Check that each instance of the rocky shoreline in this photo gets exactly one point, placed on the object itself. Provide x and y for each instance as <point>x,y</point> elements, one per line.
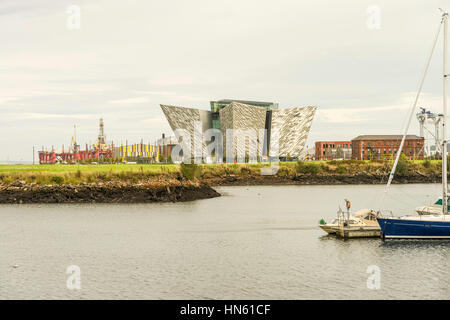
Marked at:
<point>321,179</point>
<point>177,189</point>
<point>108,192</point>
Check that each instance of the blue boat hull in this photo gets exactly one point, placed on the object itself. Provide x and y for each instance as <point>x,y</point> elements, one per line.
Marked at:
<point>414,229</point>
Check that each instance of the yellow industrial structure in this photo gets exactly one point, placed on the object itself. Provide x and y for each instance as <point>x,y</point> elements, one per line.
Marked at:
<point>135,152</point>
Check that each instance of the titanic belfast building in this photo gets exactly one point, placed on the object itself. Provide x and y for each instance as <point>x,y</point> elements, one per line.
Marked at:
<point>275,132</point>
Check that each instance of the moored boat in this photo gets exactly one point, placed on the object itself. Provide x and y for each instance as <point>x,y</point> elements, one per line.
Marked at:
<point>362,223</point>
<point>413,227</point>
<point>433,226</point>
<point>433,209</point>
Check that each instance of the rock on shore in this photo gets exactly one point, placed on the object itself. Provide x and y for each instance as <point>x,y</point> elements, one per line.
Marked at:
<point>108,192</point>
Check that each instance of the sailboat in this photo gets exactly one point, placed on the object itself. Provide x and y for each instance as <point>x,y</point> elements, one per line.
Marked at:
<point>431,226</point>
<point>435,208</point>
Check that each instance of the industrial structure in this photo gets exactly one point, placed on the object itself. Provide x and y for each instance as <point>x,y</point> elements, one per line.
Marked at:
<point>99,151</point>
<point>146,152</point>
<point>427,117</point>
<point>384,147</point>
<point>103,152</point>
<point>252,124</point>
<point>333,150</point>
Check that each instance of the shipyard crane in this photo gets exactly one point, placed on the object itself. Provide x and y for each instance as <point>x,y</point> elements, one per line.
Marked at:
<point>434,118</point>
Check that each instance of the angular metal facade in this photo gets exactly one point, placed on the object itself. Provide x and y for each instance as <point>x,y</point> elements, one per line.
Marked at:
<point>185,118</point>
<point>246,120</point>
<point>293,125</point>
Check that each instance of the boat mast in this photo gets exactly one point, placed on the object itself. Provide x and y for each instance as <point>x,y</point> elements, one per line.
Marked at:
<point>444,121</point>
<point>411,113</point>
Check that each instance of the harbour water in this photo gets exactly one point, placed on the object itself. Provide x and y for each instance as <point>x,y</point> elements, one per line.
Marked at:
<point>259,242</point>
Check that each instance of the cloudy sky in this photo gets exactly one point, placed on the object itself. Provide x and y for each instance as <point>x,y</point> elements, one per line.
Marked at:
<point>127,57</point>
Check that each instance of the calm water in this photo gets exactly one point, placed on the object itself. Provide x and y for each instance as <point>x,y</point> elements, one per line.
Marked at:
<point>252,243</point>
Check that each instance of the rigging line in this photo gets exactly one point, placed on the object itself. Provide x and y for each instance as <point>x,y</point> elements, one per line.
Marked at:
<point>413,108</point>
<point>431,133</point>
<point>406,194</point>
<point>407,205</point>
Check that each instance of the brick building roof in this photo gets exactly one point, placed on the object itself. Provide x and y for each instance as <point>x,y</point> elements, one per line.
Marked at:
<point>387,137</point>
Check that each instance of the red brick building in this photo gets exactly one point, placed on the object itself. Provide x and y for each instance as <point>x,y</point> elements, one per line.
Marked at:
<point>165,147</point>
<point>331,150</point>
<point>380,147</point>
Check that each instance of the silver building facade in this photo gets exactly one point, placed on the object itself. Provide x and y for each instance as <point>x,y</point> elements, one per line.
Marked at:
<point>247,130</point>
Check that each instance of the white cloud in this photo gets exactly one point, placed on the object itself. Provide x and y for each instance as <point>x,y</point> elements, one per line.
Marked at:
<point>154,121</point>
<point>127,59</point>
<point>7,99</point>
<point>56,116</point>
<point>371,113</point>
<point>130,100</point>
<point>351,115</point>
<point>156,93</point>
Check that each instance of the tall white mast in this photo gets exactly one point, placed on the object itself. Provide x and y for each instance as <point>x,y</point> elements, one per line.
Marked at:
<point>444,121</point>
<point>413,109</point>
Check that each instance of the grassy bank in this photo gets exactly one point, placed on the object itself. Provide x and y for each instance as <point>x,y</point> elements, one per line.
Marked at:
<point>74,174</point>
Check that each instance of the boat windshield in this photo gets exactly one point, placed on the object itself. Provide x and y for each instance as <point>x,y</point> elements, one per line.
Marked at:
<point>371,217</point>
<point>439,202</point>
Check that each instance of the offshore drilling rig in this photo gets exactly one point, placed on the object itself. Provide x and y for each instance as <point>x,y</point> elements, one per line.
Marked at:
<point>103,152</point>
<point>98,151</point>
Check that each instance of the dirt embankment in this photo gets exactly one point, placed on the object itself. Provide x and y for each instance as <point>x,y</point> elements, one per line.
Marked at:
<point>320,179</point>
<point>174,187</point>
<point>109,192</point>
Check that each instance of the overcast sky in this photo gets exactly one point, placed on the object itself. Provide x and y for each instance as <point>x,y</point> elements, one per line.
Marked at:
<point>130,56</point>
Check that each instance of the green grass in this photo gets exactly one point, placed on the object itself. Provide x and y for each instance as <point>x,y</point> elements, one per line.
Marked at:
<point>60,174</point>
<point>89,168</point>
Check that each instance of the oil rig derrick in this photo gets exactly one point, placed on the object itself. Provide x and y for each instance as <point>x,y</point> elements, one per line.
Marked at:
<point>99,151</point>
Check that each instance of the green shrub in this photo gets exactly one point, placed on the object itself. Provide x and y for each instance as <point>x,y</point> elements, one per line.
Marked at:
<point>402,165</point>
<point>245,170</point>
<point>283,171</point>
<point>341,170</point>
<point>427,163</point>
<point>7,179</point>
<point>56,179</point>
<point>190,170</point>
<point>307,168</point>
